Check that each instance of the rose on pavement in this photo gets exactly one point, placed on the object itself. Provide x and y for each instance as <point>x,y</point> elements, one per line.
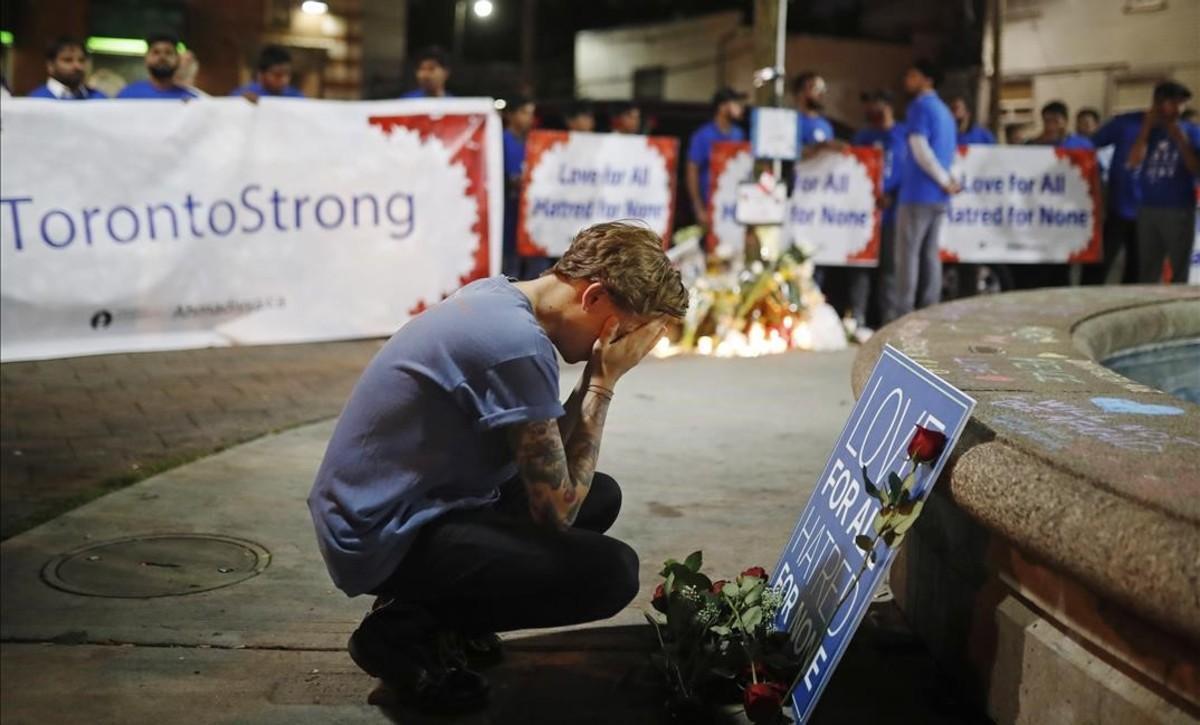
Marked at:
<point>764,701</point>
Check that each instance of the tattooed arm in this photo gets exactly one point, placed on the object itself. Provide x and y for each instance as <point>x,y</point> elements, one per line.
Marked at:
<point>556,463</point>
<point>558,477</point>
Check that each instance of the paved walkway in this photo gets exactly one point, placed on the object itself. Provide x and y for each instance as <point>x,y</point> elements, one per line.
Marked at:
<point>713,454</point>
<point>73,429</point>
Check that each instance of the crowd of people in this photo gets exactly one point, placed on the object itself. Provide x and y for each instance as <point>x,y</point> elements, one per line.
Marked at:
<point>1148,161</point>
<point>170,73</point>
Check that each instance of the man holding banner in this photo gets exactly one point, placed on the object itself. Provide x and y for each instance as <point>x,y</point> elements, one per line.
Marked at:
<point>883,132</point>
<point>925,188</point>
<point>727,113</point>
<point>458,489</point>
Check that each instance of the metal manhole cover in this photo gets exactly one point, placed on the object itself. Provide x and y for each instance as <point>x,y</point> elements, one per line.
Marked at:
<point>158,565</point>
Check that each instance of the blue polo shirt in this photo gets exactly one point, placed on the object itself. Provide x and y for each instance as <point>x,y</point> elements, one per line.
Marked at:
<point>89,94</point>
<point>420,93</point>
<point>1070,141</point>
<point>977,135</point>
<point>423,431</point>
<point>700,148</point>
<point>929,117</point>
<point>1120,132</point>
<point>894,144</point>
<point>257,88</point>
<point>1165,180</point>
<point>514,154</point>
<point>144,89</point>
<point>812,130</point>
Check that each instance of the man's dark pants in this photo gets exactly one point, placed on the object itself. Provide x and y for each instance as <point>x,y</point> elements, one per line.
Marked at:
<point>495,570</point>
<point>1119,233</point>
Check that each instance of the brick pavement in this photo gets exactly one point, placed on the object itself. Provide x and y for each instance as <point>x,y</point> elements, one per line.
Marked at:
<point>73,429</point>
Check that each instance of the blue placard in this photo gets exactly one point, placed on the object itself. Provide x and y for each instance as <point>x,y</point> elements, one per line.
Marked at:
<point>828,580</point>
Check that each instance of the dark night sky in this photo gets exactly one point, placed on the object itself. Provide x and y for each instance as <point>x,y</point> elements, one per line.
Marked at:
<point>494,42</point>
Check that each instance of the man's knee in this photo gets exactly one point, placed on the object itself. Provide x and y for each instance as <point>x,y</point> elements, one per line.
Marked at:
<point>618,578</point>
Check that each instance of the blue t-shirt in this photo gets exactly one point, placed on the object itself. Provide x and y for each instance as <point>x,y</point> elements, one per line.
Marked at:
<point>257,88</point>
<point>812,130</point>
<point>422,432</point>
<point>1165,180</point>
<point>977,135</point>
<point>1070,141</point>
<point>894,143</point>
<point>928,117</point>
<point>700,148</point>
<point>514,154</point>
<point>420,93</point>
<point>146,89</point>
<point>90,94</point>
<point>1120,132</point>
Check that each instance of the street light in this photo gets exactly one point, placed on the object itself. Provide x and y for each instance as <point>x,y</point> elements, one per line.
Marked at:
<point>314,7</point>
<point>483,8</point>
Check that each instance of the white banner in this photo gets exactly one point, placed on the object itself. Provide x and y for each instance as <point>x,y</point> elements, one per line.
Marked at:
<point>832,213</point>
<point>1024,204</point>
<point>128,226</point>
<point>573,180</point>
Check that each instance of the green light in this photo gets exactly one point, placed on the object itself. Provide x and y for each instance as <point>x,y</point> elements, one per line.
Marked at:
<point>116,46</point>
<point>6,38</point>
<point>121,46</point>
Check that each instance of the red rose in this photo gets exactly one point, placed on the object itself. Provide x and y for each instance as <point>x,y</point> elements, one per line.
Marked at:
<point>659,600</point>
<point>755,571</point>
<point>926,445</point>
<point>763,701</point>
<point>717,586</point>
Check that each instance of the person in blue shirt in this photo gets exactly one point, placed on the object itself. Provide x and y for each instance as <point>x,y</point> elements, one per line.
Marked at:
<point>625,117</point>
<point>66,64</point>
<point>1056,118</point>
<point>968,132</point>
<point>519,119</point>
<point>728,106</point>
<point>1166,154</point>
<point>578,116</point>
<point>162,60</point>
<point>890,137</point>
<point>274,76</point>
<point>461,492</point>
<point>814,132</point>
<point>925,189</point>
<point>1131,135</point>
<point>432,72</point>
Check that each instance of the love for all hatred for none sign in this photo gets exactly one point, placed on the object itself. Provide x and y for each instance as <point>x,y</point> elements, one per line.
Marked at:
<point>1024,204</point>
<point>573,180</point>
<point>833,212</point>
<point>827,581</point>
<point>1031,204</point>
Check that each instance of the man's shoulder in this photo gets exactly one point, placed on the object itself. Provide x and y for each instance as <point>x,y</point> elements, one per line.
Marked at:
<point>42,91</point>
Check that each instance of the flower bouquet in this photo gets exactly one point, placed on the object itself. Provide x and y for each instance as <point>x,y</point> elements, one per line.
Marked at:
<point>718,642</point>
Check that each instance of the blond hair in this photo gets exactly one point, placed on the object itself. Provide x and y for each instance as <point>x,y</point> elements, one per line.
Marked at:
<point>628,259</point>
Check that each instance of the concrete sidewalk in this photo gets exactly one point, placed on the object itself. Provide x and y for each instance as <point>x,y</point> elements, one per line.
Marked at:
<point>718,455</point>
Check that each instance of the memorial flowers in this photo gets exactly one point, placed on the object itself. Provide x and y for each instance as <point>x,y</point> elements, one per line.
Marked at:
<point>717,637</point>
<point>900,502</point>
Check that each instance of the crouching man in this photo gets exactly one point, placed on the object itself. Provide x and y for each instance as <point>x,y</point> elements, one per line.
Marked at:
<point>462,494</point>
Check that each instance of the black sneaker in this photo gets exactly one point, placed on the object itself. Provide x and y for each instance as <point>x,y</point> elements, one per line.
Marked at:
<point>477,653</point>
<point>415,673</point>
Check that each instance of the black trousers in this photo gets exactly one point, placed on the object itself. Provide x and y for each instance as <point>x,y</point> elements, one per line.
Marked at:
<point>1119,233</point>
<point>495,570</point>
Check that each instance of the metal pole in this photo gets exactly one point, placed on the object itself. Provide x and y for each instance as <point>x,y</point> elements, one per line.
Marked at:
<point>528,36</point>
<point>460,27</point>
<point>781,77</point>
<point>997,75</point>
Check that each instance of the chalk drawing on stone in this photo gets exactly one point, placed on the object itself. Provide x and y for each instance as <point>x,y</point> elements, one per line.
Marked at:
<point>1133,407</point>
